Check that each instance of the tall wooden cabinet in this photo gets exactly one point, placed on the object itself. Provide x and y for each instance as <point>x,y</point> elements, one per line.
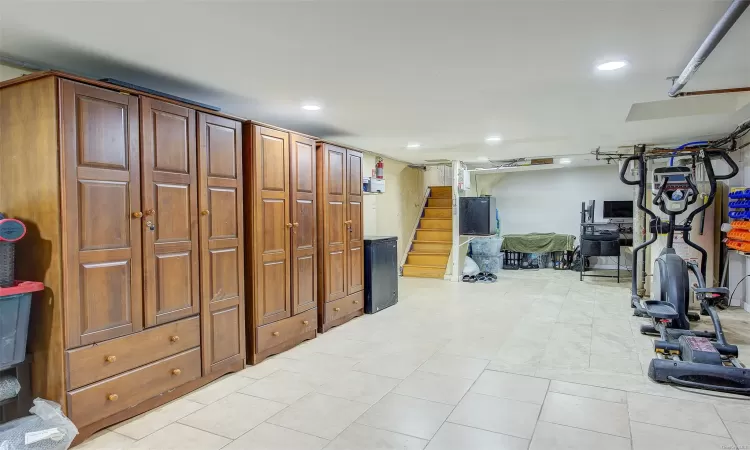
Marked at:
<point>281,261</point>
<point>340,236</point>
<point>134,209</point>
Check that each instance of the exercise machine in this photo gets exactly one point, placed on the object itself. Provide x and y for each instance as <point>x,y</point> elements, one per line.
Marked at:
<point>684,357</point>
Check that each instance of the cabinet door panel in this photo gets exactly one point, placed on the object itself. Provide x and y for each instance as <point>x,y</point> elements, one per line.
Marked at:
<point>302,197</point>
<point>334,222</point>
<point>170,220</point>
<point>272,225</point>
<point>354,242</point>
<point>101,191</point>
<point>222,264</point>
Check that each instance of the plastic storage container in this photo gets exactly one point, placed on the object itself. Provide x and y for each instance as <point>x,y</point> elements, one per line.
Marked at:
<point>739,193</point>
<point>11,230</point>
<point>740,225</point>
<point>15,306</point>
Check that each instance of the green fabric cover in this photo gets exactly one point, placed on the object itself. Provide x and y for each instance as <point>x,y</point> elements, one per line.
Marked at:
<point>538,242</point>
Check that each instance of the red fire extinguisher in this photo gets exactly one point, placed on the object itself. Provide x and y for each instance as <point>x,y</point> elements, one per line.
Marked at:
<point>379,169</point>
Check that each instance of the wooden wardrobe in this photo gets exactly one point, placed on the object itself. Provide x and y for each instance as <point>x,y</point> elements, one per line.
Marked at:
<point>133,205</point>
<point>281,272</point>
<point>340,236</point>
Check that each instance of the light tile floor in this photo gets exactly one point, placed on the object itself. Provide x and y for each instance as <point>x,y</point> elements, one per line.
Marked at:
<point>537,360</point>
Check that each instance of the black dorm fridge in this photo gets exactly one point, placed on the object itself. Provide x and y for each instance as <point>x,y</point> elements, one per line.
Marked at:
<point>381,272</point>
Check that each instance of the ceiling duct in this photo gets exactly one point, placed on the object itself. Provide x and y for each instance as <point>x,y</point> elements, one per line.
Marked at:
<point>709,44</point>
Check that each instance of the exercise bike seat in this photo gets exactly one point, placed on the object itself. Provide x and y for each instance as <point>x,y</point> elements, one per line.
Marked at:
<point>660,310</point>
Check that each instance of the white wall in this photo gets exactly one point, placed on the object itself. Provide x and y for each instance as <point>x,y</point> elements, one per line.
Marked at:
<point>547,201</point>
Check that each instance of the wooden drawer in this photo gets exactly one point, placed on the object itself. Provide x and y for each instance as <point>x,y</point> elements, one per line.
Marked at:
<point>278,332</point>
<point>91,403</point>
<point>99,361</point>
<point>344,306</point>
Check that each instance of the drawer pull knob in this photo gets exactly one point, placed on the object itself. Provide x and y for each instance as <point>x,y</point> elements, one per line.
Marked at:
<point>305,322</point>
<point>204,212</point>
<point>137,214</point>
<point>174,338</point>
<point>113,397</point>
<point>176,372</point>
<point>337,309</point>
<point>111,358</point>
<point>150,212</point>
<point>275,333</point>
<point>356,301</point>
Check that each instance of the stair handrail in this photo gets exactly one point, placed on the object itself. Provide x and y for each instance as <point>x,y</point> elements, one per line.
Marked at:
<point>413,232</point>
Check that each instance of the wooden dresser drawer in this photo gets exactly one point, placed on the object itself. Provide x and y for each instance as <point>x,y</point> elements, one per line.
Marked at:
<point>278,332</point>
<point>99,361</point>
<point>344,306</point>
<point>91,403</point>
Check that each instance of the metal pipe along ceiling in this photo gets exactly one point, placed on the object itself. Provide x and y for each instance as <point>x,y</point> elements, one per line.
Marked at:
<point>709,44</point>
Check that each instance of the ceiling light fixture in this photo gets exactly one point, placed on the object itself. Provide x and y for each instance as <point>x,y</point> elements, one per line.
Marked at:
<point>311,107</point>
<point>413,145</point>
<point>493,139</point>
<point>565,161</point>
<point>612,65</point>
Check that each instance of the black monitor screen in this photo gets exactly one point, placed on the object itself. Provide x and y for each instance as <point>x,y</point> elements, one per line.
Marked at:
<point>618,209</point>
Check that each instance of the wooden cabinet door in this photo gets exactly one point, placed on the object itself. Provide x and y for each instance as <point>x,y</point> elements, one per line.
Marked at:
<point>335,230</point>
<point>302,198</point>
<point>355,244</point>
<point>101,198</point>
<point>271,225</point>
<point>170,212</point>
<point>222,263</point>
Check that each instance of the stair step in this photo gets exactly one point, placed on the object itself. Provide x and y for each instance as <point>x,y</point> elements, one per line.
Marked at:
<point>434,235</point>
<point>438,213</point>
<point>439,202</point>
<point>439,223</point>
<point>431,246</point>
<point>421,271</point>
<point>428,259</point>
<point>441,191</point>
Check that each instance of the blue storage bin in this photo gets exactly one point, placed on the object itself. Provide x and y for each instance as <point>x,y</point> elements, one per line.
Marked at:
<point>14,327</point>
<point>739,214</point>
<point>740,193</point>
<point>739,204</point>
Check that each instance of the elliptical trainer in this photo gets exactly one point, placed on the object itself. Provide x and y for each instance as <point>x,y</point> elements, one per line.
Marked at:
<point>695,359</point>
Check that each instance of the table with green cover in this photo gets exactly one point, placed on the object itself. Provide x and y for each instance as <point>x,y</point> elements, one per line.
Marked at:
<point>538,242</point>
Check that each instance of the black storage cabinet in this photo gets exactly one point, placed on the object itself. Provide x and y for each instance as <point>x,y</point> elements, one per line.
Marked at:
<point>476,216</point>
<point>381,272</point>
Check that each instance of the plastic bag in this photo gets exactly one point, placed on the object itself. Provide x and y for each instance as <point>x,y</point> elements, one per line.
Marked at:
<point>9,387</point>
<point>46,429</point>
<point>470,268</point>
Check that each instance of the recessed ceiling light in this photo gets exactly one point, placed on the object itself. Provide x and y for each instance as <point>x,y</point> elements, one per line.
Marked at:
<point>311,107</point>
<point>493,139</point>
<point>565,161</point>
<point>482,158</point>
<point>612,65</point>
<point>413,145</point>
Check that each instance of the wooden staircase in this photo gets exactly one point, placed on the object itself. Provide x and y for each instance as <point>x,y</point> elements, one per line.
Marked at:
<point>433,239</point>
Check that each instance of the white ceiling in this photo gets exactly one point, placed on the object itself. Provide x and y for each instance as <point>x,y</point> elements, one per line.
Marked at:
<point>443,73</point>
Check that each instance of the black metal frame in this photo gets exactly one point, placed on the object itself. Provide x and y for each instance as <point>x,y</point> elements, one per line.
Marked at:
<point>673,227</point>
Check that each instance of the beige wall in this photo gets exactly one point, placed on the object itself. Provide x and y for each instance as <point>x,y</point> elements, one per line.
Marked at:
<point>394,212</point>
<point>8,72</point>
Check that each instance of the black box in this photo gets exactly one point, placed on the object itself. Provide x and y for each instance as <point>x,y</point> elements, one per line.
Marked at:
<point>381,272</point>
<point>476,216</point>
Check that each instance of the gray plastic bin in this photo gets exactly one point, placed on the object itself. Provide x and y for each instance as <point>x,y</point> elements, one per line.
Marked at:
<point>14,327</point>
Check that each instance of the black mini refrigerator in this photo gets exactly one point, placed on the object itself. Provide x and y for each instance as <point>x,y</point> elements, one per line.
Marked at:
<point>476,216</point>
<point>381,272</point>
